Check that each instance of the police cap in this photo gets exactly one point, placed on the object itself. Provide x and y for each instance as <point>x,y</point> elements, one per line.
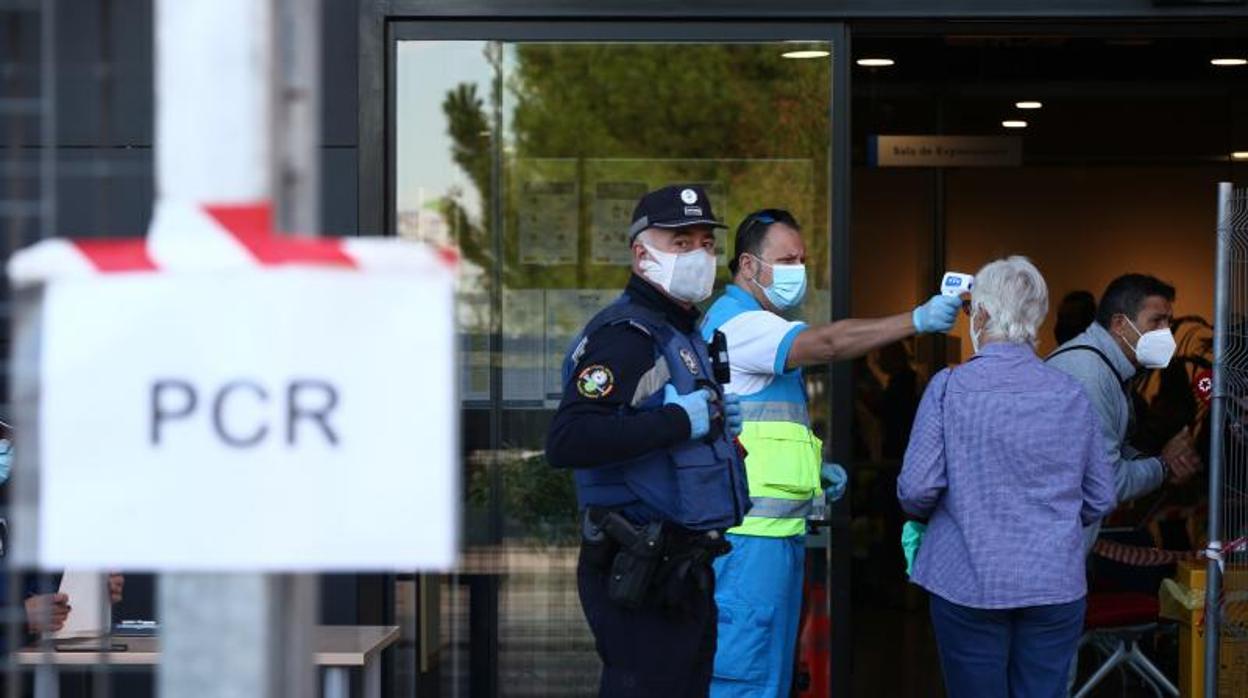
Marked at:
<point>674,206</point>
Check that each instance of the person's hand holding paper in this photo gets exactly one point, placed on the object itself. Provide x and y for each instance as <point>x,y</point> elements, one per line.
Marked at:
<point>89,597</point>
<point>46,613</point>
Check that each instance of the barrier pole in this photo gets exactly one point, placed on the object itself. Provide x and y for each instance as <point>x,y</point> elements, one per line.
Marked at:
<point>1217,456</point>
<point>223,94</point>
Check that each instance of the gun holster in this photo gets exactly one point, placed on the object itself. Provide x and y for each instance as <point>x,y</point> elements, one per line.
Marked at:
<point>596,549</point>
<point>638,551</point>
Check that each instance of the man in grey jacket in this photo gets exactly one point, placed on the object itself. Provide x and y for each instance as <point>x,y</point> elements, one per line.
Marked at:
<point>1131,331</point>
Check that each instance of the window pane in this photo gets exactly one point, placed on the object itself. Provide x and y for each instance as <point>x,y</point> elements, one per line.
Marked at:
<point>529,157</point>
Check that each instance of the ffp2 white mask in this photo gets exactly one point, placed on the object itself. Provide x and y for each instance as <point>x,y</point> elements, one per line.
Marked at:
<point>686,276</point>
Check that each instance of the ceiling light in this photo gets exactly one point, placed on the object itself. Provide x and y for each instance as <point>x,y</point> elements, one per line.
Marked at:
<point>1028,105</point>
<point>1229,61</point>
<point>1239,155</point>
<point>1014,123</point>
<point>806,54</point>
<point>875,62</point>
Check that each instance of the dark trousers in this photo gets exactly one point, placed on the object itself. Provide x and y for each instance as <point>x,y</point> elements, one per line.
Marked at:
<point>1016,652</point>
<point>650,652</point>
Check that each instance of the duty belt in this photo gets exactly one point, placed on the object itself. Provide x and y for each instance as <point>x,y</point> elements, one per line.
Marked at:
<point>651,563</point>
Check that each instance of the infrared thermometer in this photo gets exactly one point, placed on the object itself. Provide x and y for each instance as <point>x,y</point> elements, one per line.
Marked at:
<point>956,283</point>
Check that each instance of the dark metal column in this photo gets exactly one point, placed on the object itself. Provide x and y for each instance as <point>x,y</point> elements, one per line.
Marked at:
<point>937,343</point>
<point>484,617</point>
<point>840,606</point>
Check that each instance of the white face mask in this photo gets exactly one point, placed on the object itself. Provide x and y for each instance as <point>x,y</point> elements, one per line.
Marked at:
<point>1154,349</point>
<point>689,276</point>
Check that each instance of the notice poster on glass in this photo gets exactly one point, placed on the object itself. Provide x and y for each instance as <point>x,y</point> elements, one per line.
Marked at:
<point>612,216</point>
<point>547,212</point>
<point>474,366</point>
<point>472,314</point>
<point>523,347</point>
<point>567,311</point>
<point>616,184</point>
<point>717,192</point>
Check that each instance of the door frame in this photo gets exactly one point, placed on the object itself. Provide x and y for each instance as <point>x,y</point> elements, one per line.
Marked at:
<point>381,29</point>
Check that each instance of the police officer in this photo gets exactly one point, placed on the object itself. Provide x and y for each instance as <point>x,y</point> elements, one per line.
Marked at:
<point>759,584</point>
<point>650,437</point>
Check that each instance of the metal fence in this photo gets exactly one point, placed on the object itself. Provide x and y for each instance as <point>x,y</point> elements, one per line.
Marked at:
<point>27,213</point>
<point>1227,591</point>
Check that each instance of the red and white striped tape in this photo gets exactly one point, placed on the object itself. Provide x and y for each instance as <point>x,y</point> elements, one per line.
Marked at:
<point>187,237</point>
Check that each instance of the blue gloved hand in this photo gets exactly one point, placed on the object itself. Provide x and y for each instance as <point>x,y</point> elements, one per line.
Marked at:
<point>938,314</point>
<point>834,479</point>
<point>733,420</point>
<point>696,404</point>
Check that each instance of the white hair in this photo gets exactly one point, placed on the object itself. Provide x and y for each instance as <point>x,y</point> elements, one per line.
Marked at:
<point>1015,296</point>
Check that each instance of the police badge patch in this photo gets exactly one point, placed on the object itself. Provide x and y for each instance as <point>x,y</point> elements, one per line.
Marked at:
<point>691,361</point>
<point>595,381</point>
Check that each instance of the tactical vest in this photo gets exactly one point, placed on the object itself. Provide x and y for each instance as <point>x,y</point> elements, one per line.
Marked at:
<point>698,484</point>
<point>785,456</point>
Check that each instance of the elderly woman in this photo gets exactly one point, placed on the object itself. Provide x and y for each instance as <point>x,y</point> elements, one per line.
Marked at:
<point>1006,463</point>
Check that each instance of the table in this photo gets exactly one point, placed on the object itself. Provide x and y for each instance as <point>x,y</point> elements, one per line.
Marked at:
<point>339,650</point>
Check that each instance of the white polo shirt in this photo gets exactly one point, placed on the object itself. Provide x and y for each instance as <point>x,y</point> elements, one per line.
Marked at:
<point>759,341</point>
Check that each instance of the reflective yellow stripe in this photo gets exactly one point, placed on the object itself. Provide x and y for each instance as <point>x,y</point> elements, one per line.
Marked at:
<point>770,528</point>
<point>760,411</point>
<point>772,508</point>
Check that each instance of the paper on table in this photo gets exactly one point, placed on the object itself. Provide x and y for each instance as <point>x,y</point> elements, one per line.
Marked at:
<point>91,611</point>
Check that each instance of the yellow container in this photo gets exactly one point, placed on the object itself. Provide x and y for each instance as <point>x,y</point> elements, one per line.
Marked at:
<point>1185,604</point>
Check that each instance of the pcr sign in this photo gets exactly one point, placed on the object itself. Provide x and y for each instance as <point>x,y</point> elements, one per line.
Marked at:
<point>280,416</point>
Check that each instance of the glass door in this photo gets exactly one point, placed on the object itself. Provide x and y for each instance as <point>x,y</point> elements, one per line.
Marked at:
<point>527,157</point>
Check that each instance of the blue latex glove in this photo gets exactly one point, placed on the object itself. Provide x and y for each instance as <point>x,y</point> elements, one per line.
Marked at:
<point>938,314</point>
<point>834,479</point>
<point>733,421</point>
<point>696,404</point>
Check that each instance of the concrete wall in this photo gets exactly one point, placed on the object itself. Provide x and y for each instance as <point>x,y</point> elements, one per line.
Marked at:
<point>105,117</point>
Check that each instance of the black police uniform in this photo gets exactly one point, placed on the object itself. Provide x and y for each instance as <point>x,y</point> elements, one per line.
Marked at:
<point>589,431</point>
<point>664,644</point>
<point>648,651</point>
